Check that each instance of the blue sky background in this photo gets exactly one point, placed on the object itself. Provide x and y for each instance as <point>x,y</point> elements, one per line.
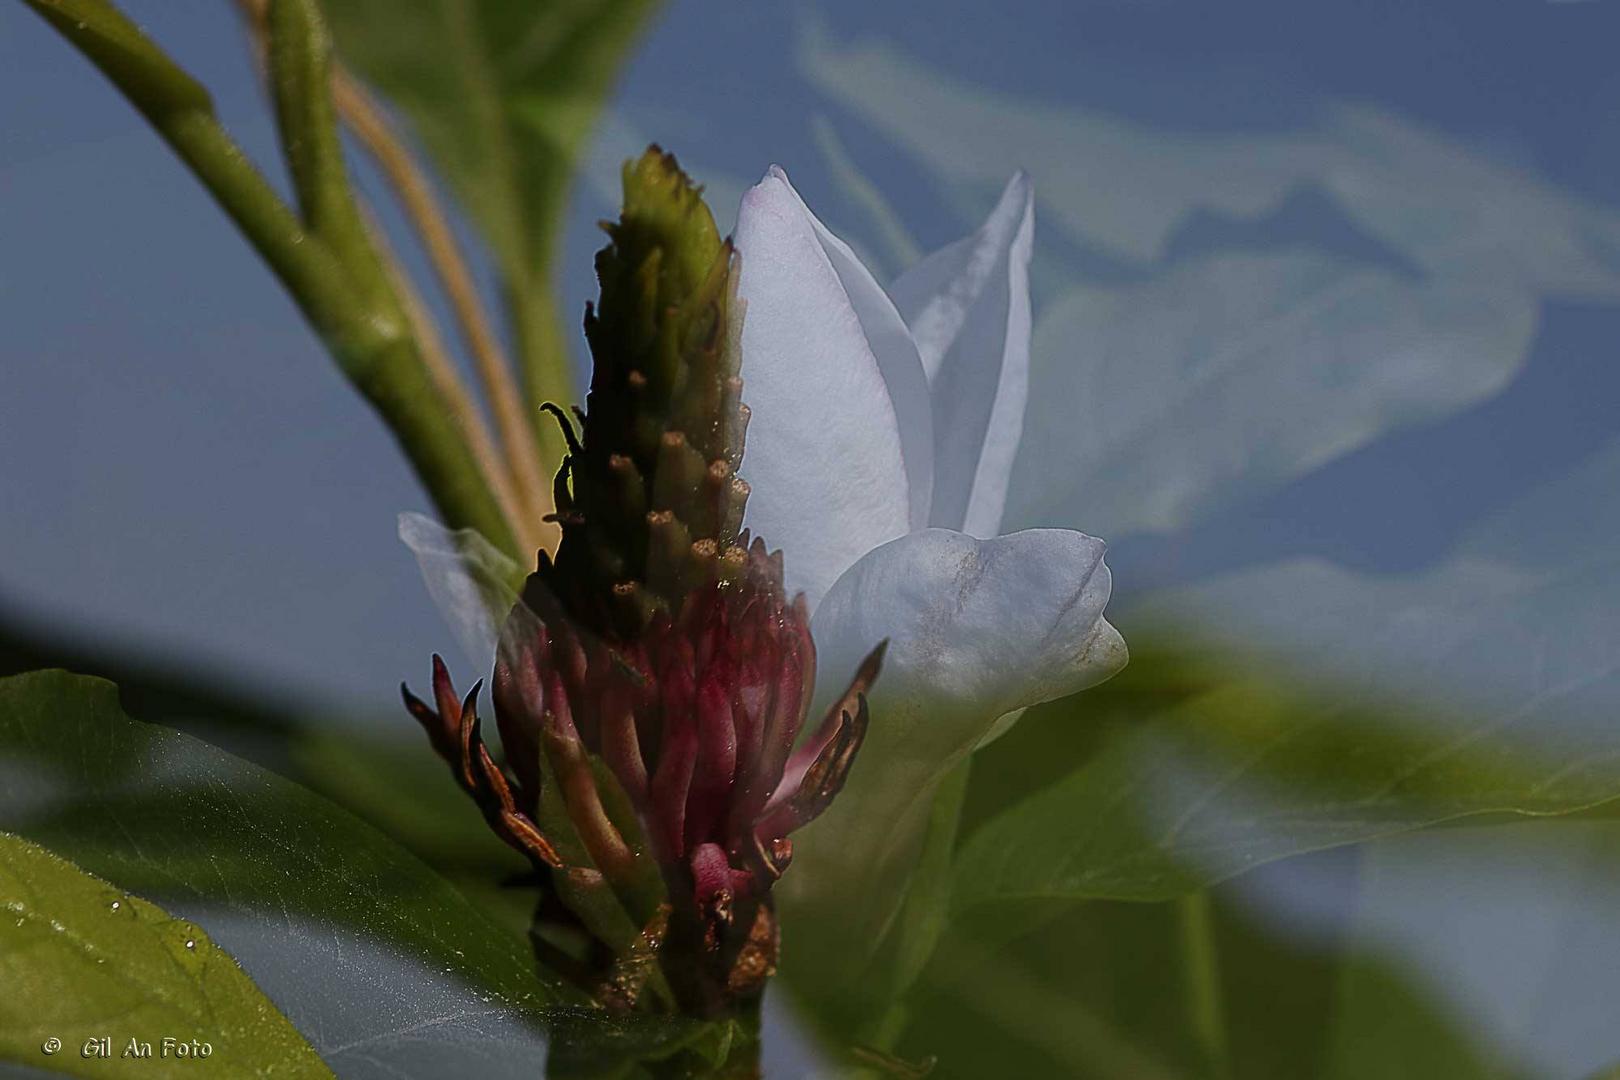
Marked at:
<point>189,477</point>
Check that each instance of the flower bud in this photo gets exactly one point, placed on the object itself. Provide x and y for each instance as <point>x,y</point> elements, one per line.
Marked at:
<point>651,470</point>
<point>652,685</point>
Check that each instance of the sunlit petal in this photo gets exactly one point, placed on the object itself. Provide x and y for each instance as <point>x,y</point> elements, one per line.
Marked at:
<point>826,446</point>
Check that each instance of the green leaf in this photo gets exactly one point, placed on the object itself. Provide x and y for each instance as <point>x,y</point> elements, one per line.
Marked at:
<point>867,1007</point>
<point>193,700</point>
<point>1507,933</point>
<point>1296,707</point>
<point>503,97</point>
<point>923,917</point>
<point>1088,995</point>
<point>179,820</point>
<point>1199,762</point>
<point>1386,1028</point>
<point>1089,990</point>
<point>81,959</point>
<point>587,1044</point>
<point>364,772</point>
<point>358,765</point>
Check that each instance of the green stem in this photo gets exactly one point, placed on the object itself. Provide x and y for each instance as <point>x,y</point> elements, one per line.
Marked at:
<point>1201,984</point>
<point>372,345</point>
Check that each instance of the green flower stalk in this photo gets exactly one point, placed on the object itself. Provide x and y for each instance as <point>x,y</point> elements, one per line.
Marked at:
<point>652,685</point>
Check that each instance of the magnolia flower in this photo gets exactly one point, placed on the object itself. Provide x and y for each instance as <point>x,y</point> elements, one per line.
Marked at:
<point>885,424</point>
<point>883,433</point>
<point>653,680</point>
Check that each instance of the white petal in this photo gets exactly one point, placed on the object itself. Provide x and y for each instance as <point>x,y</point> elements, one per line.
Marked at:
<point>976,629</point>
<point>826,453</point>
<point>897,357</point>
<point>968,308</point>
<point>472,583</point>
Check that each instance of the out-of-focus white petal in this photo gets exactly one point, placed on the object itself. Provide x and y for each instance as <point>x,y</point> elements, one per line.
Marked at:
<point>470,581</point>
<point>1159,401</point>
<point>976,629</point>
<point>826,452</point>
<point>1130,188</point>
<point>968,309</point>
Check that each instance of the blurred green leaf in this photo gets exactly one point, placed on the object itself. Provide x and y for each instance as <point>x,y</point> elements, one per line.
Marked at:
<point>587,1044</point>
<point>1092,990</point>
<point>1199,762</point>
<point>864,1008</point>
<point>923,917</point>
<point>1295,707</point>
<point>364,773</point>
<point>194,701</point>
<point>503,97</point>
<point>81,959</point>
<point>174,818</point>
<point>1387,1028</point>
<point>1510,933</point>
<point>1089,994</point>
<point>361,766</point>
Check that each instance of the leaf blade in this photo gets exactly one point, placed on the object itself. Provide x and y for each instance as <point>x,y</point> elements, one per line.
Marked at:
<point>172,817</point>
<point>83,959</point>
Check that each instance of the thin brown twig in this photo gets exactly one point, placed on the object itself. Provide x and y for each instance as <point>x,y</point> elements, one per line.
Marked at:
<point>442,370</point>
